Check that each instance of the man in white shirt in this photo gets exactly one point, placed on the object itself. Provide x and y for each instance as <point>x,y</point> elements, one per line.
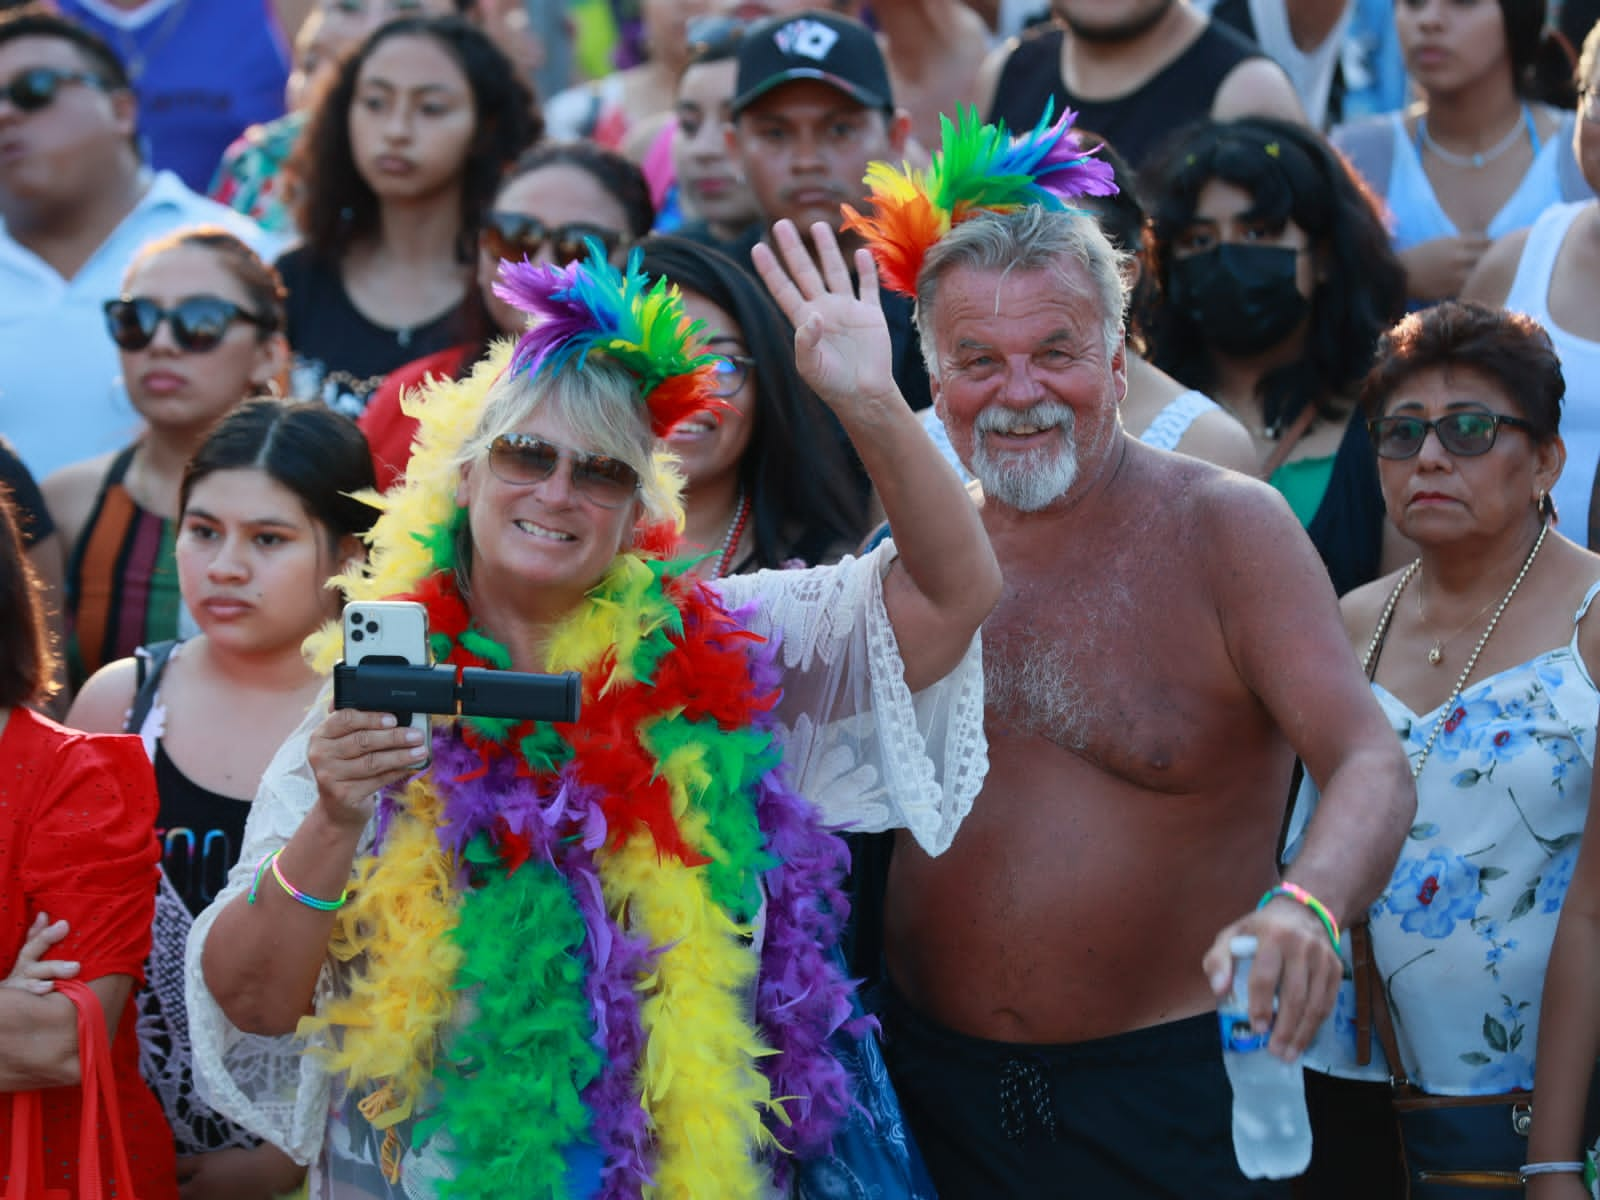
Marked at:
<point>76,204</point>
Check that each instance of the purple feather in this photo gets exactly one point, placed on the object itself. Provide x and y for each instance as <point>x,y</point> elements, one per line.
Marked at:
<point>557,312</point>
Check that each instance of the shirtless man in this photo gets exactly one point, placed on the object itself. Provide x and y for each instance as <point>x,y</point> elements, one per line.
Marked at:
<point>1166,642</point>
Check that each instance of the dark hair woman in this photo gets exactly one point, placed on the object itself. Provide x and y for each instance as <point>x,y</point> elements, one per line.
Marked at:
<point>397,167</point>
<point>77,891</point>
<point>199,328</point>
<point>1483,659</point>
<point>1484,150</point>
<point>1274,280</point>
<point>267,517</point>
<point>768,480</point>
<point>556,196</point>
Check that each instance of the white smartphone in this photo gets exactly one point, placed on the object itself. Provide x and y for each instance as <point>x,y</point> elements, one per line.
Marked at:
<point>390,631</point>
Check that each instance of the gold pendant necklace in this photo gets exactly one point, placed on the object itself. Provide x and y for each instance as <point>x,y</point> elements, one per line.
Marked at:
<point>1436,653</point>
<point>1379,635</point>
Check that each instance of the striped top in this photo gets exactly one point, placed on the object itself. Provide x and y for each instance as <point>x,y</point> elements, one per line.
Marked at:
<point>122,579</point>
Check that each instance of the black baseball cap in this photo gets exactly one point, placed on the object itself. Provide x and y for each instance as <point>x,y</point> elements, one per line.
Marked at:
<point>827,47</point>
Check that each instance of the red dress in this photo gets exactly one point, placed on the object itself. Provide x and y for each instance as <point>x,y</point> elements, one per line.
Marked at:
<point>389,431</point>
<point>77,841</point>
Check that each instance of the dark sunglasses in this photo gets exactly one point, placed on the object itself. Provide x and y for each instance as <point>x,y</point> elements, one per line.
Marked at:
<point>36,87</point>
<point>521,459</point>
<point>514,236</point>
<point>198,322</point>
<point>1464,434</point>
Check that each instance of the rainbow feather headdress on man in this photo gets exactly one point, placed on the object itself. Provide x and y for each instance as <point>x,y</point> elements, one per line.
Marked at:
<point>590,307</point>
<point>978,168</point>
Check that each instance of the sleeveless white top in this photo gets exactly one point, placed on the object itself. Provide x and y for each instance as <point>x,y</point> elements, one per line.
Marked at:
<point>1580,364</point>
<point>1418,215</point>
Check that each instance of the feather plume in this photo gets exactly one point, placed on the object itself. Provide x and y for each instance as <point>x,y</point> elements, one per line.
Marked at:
<point>977,168</point>
<point>590,307</point>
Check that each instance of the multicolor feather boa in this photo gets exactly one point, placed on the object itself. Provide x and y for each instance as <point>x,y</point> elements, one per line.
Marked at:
<point>549,947</point>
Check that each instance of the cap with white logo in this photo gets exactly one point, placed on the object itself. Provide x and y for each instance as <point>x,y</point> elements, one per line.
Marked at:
<point>829,48</point>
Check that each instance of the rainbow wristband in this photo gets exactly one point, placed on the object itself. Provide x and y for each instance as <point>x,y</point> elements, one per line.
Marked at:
<point>271,861</point>
<point>1295,892</point>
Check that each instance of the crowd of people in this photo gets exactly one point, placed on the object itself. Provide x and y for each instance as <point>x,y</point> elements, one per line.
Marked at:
<point>1026,494</point>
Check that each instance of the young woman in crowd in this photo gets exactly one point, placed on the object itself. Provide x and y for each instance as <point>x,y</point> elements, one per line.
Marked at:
<point>199,327</point>
<point>399,162</point>
<point>1484,151</point>
<point>1483,655</point>
<point>77,891</point>
<point>1551,271</point>
<point>554,198</point>
<point>1274,279</point>
<point>715,204</point>
<point>266,518</point>
<point>768,479</point>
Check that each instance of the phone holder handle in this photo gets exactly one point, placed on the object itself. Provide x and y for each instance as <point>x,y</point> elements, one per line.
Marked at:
<point>446,690</point>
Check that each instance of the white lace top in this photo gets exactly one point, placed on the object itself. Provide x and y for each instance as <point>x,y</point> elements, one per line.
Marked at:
<point>864,749</point>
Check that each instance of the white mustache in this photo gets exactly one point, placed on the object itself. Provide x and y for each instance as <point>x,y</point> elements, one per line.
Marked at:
<point>1043,415</point>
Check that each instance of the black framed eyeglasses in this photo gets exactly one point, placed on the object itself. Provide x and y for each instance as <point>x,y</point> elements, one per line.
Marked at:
<point>521,459</point>
<point>731,370</point>
<point>516,236</point>
<point>198,323</point>
<point>36,87</point>
<point>1464,434</point>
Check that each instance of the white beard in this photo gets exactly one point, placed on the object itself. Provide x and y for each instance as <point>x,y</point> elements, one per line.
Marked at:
<point>1026,480</point>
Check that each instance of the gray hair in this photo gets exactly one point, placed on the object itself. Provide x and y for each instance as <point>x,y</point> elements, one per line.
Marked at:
<point>1029,239</point>
<point>601,401</point>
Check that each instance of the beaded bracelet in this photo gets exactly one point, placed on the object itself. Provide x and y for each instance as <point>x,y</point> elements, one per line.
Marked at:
<point>1295,892</point>
<point>295,893</point>
<point>1529,1170</point>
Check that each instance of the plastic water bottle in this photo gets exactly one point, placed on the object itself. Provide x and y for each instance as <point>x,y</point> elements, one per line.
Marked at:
<point>1271,1134</point>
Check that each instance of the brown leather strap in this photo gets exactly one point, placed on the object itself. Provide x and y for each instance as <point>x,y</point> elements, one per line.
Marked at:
<point>1361,959</point>
<point>1280,452</point>
<point>1369,985</point>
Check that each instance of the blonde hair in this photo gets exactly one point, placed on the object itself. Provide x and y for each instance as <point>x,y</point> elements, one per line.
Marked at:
<point>601,402</point>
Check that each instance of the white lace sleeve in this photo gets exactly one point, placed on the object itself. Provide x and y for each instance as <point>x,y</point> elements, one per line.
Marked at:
<point>266,1084</point>
<point>867,752</point>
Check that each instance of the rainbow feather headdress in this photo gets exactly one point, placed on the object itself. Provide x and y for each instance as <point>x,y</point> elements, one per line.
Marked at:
<point>590,307</point>
<point>977,168</point>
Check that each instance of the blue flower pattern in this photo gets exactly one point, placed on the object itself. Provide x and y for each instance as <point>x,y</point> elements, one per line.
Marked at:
<point>1462,932</point>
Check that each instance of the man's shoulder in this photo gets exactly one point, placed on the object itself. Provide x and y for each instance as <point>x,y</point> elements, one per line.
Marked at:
<point>170,204</point>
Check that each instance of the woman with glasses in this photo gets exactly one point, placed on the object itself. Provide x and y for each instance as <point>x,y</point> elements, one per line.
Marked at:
<point>1486,148</point>
<point>265,519</point>
<point>198,328</point>
<point>1550,271</point>
<point>400,158</point>
<point>593,957</point>
<point>1483,656</point>
<point>768,476</point>
<point>555,199</point>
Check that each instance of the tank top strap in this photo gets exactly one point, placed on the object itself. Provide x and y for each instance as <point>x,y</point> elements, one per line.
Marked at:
<point>1532,127</point>
<point>1583,609</point>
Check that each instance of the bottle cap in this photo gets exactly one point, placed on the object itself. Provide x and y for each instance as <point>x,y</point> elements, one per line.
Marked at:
<point>1243,946</point>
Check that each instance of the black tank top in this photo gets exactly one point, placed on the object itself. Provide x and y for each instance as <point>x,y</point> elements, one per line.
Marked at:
<point>201,833</point>
<point>1136,123</point>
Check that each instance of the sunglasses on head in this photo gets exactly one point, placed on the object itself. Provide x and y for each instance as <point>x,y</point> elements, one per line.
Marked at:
<point>1464,434</point>
<point>521,459</point>
<point>197,322</point>
<point>514,236</point>
<point>36,87</point>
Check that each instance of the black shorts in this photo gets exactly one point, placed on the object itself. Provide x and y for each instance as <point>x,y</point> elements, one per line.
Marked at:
<point>1146,1114</point>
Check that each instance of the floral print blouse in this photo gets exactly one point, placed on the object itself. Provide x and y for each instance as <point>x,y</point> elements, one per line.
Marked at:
<point>1462,933</point>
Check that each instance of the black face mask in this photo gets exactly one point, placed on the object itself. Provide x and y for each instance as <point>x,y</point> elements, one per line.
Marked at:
<point>1244,298</point>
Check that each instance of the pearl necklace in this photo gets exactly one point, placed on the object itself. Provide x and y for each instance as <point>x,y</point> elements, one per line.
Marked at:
<point>1368,661</point>
<point>731,539</point>
<point>1481,158</point>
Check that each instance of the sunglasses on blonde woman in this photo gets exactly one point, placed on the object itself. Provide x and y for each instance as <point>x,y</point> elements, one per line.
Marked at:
<point>521,459</point>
